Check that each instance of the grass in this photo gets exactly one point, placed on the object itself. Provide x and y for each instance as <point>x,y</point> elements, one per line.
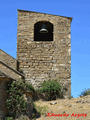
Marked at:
<point>42,110</point>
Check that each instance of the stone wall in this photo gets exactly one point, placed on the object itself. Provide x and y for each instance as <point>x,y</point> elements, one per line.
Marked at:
<point>44,60</point>
<point>7,59</point>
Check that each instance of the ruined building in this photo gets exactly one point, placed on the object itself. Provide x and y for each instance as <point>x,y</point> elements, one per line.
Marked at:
<point>43,52</point>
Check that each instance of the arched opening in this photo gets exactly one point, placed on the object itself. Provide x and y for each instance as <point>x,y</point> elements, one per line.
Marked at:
<point>43,31</point>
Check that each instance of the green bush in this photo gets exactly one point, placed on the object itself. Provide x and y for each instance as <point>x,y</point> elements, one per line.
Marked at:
<point>70,97</point>
<point>16,102</point>
<point>9,118</point>
<point>23,117</point>
<point>51,90</point>
<point>85,92</point>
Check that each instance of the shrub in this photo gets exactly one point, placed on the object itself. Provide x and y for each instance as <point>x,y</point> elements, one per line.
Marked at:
<point>70,97</point>
<point>8,118</point>
<point>23,117</point>
<point>51,90</point>
<point>16,102</point>
<point>85,92</point>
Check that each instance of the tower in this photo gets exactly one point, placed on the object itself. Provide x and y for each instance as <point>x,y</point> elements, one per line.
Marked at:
<point>44,48</point>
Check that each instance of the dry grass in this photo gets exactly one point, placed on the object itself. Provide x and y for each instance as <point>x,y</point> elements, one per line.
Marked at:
<point>74,105</point>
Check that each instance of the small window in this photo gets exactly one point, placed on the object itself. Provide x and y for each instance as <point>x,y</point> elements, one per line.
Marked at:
<point>43,31</point>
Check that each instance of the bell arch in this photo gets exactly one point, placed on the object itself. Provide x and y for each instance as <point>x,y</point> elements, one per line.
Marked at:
<point>43,31</point>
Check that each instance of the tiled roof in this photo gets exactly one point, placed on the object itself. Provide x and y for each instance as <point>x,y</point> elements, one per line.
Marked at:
<point>2,74</point>
<point>6,71</point>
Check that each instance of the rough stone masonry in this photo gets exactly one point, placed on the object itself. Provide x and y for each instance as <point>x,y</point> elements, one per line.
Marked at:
<point>44,54</point>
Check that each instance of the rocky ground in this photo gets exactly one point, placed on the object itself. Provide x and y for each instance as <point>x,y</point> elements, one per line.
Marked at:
<point>64,109</point>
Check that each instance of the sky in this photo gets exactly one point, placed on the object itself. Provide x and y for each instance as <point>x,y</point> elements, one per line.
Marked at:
<point>79,10</point>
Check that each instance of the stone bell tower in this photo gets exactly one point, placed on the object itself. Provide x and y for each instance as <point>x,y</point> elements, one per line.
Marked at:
<point>44,48</point>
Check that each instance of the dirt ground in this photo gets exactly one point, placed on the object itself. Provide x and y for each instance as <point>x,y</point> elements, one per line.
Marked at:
<point>64,109</point>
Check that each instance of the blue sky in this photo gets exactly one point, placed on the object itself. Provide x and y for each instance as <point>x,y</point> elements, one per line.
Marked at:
<point>80,32</point>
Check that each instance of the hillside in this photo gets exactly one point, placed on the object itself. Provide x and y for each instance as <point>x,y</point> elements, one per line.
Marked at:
<point>66,109</point>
